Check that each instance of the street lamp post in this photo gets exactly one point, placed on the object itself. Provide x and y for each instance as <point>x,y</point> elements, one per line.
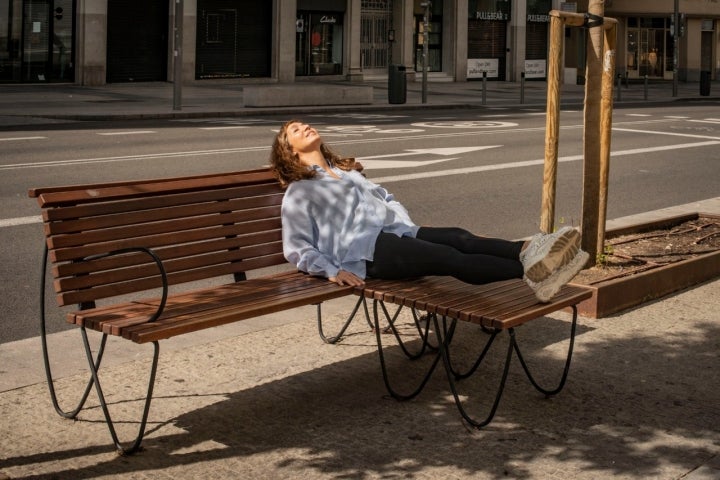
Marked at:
<point>177,56</point>
<point>426,39</point>
<point>676,46</point>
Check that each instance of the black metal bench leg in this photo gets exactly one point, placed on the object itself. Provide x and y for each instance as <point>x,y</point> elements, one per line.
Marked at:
<point>108,420</point>
<point>566,370</point>
<point>383,366</point>
<point>493,333</point>
<point>424,335</point>
<point>451,378</point>
<point>338,336</point>
<point>46,356</point>
<point>51,382</point>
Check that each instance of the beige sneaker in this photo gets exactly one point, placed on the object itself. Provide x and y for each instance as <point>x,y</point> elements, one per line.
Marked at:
<point>546,289</point>
<point>547,252</point>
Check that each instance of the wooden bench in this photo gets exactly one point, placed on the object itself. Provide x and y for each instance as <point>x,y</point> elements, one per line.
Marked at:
<point>108,242</point>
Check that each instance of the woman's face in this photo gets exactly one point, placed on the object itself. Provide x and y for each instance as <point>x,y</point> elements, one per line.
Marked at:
<point>302,138</point>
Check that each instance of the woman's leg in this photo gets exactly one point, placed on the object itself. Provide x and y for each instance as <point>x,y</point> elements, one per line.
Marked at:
<point>406,257</point>
<point>466,242</point>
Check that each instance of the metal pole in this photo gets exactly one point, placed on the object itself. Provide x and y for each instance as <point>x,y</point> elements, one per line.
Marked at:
<point>484,88</point>
<point>177,56</point>
<point>426,39</point>
<point>522,88</point>
<point>645,92</point>
<point>676,46</point>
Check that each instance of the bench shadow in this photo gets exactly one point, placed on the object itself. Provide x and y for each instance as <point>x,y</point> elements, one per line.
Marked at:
<point>624,399</point>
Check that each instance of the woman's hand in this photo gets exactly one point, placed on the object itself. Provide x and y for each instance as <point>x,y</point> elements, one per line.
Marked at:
<point>346,278</point>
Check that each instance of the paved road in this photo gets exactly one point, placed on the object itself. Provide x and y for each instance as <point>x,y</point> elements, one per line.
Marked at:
<point>459,167</point>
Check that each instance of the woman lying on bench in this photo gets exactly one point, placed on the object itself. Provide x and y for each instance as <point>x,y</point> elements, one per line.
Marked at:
<point>339,225</point>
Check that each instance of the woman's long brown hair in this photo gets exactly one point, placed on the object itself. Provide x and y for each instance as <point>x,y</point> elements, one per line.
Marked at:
<point>287,168</point>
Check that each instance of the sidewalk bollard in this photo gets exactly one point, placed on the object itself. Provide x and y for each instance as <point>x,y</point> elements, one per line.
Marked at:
<point>705,83</point>
<point>619,84</point>
<point>522,88</point>
<point>646,87</point>
<point>484,88</point>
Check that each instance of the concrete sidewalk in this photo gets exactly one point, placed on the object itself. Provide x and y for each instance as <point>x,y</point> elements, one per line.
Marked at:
<point>31,104</point>
<point>641,402</point>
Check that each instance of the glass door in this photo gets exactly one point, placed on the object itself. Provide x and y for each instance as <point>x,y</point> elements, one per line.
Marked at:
<point>47,40</point>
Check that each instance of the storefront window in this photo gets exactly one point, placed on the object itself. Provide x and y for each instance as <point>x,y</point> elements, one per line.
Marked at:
<point>648,45</point>
<point>36,40</point>
<point>319,43</point>
<point>487,38</point>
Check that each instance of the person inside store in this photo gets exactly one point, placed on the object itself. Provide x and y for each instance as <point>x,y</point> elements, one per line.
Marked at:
<point>339,225</point>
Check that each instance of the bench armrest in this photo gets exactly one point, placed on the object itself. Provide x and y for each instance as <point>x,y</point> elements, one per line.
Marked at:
<point>158,262</point>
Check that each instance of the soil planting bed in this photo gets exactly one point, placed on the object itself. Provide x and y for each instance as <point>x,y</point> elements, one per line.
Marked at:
<point>647,261</point>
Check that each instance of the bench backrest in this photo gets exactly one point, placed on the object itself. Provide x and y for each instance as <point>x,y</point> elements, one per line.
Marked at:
<point>201,227</point>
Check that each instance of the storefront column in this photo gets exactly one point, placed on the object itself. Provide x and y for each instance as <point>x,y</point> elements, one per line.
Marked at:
<point>516,44</point>
<point>353,49</point>
<point>283,61</point>
<point>189,40</point>
<point>459,28</point>
<point>404,22</point>
<point>91,42</point>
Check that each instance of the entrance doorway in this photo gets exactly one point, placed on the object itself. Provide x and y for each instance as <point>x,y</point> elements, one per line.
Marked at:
<point>38,45</point>
<point>375,23</point>
<point>137,41</point>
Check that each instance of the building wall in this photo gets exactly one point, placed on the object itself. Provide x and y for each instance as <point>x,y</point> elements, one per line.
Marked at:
<point>92,21</point>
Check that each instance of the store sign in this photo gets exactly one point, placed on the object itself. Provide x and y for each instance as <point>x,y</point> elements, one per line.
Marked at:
<point>538,18</point>
<point>328,19</point>
<point>476,67</point>
<point>535,68</point>
<point>538,11</point>
<point>489,9</point>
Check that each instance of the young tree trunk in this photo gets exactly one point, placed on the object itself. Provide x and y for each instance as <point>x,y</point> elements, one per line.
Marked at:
<point>591,137</point>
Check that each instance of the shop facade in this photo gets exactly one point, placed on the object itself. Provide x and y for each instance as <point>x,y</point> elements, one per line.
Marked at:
<point>101,41</point>
<point>647,36</point>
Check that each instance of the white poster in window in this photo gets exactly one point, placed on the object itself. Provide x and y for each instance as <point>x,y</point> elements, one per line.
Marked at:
<point>476,67</point>
<point>535,68</point>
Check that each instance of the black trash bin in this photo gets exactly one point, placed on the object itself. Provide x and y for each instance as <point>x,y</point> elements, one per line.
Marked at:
<point>705,83</point>
<point>397,84</point>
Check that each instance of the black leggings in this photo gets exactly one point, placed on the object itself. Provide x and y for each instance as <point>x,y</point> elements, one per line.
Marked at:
<point>446,251</point>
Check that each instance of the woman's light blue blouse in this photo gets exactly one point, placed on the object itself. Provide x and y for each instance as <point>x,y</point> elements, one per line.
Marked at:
<point>331,224</point>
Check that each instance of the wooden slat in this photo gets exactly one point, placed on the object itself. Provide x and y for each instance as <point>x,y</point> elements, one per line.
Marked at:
<point>95,193</point>
<point>167,253</point>
<point>37,191</point>
<point>176,226</point>
<point>209,307</point>
<point>154,241</point>
<point>141,211</point>
<point>172,266</point>
<point>116,289</point>
<point>498,305</point>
